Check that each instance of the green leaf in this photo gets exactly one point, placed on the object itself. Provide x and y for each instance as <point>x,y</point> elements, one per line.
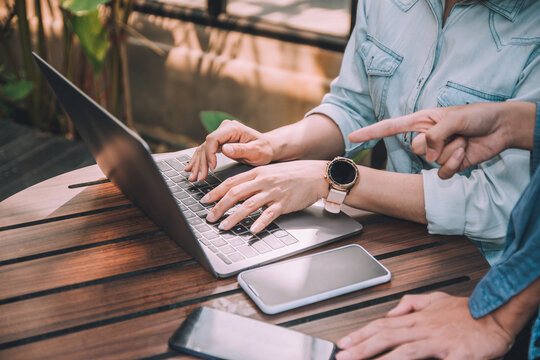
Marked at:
<point>18,90</point>
<point>212,119</point>
<point>93,37</point>
<point>80,7</point>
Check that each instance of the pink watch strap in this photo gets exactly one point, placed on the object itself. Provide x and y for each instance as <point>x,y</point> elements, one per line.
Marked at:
<point>334,200</point>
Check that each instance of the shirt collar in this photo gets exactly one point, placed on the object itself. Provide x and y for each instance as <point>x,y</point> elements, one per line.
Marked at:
<point>507,8</point>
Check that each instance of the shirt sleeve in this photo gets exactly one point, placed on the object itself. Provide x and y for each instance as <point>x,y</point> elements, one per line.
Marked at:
<point>479,205</point>
<point>518,267</point>
<point>349,103</point>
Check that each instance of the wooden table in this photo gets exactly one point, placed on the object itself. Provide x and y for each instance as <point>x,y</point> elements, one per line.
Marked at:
<point>84,274</point>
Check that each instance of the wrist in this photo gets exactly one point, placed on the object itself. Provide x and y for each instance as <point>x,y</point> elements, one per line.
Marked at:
<point>517,120</point>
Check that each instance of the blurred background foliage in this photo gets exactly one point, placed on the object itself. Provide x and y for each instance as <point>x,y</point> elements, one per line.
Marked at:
<point>93,56</point>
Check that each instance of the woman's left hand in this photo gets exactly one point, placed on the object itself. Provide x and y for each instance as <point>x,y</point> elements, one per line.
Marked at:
<point>282,188</point>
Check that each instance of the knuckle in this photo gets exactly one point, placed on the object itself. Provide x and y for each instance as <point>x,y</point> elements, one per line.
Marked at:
<point>234,192</point>
<point>227,183</point>
<point>249,204</point>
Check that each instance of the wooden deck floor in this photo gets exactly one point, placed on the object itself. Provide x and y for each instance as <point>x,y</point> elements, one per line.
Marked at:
<point>28,156</point>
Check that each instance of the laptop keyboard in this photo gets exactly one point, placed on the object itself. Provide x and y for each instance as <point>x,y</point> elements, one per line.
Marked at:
<point>230,246</point>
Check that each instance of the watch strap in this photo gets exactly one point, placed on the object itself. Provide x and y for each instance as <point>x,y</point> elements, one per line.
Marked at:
<point>334,200</point>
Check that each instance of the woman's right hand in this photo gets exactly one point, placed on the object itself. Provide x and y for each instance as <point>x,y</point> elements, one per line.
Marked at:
<point>234,140</point>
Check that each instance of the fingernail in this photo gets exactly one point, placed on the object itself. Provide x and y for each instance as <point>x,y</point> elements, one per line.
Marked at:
<point>255,228</point>
<point>343,355</point>
<point>345,342</point>
<point>223,225</point>
<point>205,199</point>
<point>458,153</point>
<point>431,155</point>
<point>211,217</point>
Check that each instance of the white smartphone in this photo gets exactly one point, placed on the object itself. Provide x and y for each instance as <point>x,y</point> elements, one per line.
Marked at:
<point>212,334</point>
<point>290,284</point>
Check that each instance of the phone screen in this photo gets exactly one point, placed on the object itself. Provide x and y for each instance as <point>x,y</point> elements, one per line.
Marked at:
<point>285,285</point>
<point>215,334</point>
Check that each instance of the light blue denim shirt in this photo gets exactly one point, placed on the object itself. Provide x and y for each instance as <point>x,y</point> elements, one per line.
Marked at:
<point>520,264</point>
<point>401,59</point>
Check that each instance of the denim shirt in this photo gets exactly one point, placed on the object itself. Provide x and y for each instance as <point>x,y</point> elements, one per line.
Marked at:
<point>401,59</point>
<point>520,264</point>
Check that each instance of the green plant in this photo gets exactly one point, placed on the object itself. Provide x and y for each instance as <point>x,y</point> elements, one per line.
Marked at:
<point>94,57</point>
<point>212,119</point>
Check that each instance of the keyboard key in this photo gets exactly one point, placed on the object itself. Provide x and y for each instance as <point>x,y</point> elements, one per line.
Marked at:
<point>203,240</point>
<point>196,207</point>
<point>273,242</point>
<point>218,241</point>
<point>280,233</point>
<point>212,180</point>
<point>239,229</point>
<point>174,189</point>
<point>170,173</point>
<point>196,221</point>
<point>213,249</point>
<point>188,214</point>
<point>247,251</point>
<point>197,196</point>
<point>289,240</point>
<point>163,166</point>
<point>193,190</point>
<point>202,214</point>
<point>227,249</point>
<point>236,242</point>
<point>224,258</point>
<point>181,195</point>
<point>260,246</point>
<point>189,201</point>
<point>169,183</point>
<point>183,158</point>
<point>178,179</point>
<point>236,257</point>
<point>247,222</point>
<point>272,227</point>
<point>205,189</point>
<point>202,228</point>
<point>175,164</point>
<point>228,235</point>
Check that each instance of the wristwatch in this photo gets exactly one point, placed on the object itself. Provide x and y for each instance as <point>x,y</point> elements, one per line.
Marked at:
<point>341,174</point>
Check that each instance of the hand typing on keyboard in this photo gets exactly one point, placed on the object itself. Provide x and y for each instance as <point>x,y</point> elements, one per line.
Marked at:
<point>236,141</point>
<point>281,188</point>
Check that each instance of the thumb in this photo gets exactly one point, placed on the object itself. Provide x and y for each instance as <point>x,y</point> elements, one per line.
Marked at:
<point>236,150</point>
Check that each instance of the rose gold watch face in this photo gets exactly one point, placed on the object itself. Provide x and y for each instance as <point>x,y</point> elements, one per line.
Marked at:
<point>342,173</point>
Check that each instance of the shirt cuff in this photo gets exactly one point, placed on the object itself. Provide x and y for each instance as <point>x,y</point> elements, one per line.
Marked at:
<point>439,197</point>
<point>344,122</point>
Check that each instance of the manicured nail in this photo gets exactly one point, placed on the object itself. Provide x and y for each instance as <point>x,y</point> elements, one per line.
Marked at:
<point>211,217</point>
<point>205,199</point>
<point>343,355</point>
<point>345,342</point>
<point>458,154</point>
<point>223,225</point>
<point>255,228</point>
<point>431,155</point>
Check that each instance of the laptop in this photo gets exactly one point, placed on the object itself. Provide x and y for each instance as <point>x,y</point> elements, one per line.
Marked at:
<point>161,190</point>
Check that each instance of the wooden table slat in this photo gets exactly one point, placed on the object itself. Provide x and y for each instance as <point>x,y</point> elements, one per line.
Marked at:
<point>183,284</point>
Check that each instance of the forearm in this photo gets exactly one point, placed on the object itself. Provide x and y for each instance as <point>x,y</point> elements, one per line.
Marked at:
<point>513,315</point>
<point>389,193</point>
<point>315,137</point>
<point>518,119</point>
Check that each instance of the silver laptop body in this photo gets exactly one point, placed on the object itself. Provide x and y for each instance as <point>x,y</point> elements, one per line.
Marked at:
<point>126,160</point>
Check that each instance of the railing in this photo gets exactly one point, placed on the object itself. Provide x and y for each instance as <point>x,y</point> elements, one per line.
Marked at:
<point>215,15</point>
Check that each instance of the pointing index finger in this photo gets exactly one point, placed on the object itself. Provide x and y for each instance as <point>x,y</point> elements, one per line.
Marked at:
<point>384,128</point>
